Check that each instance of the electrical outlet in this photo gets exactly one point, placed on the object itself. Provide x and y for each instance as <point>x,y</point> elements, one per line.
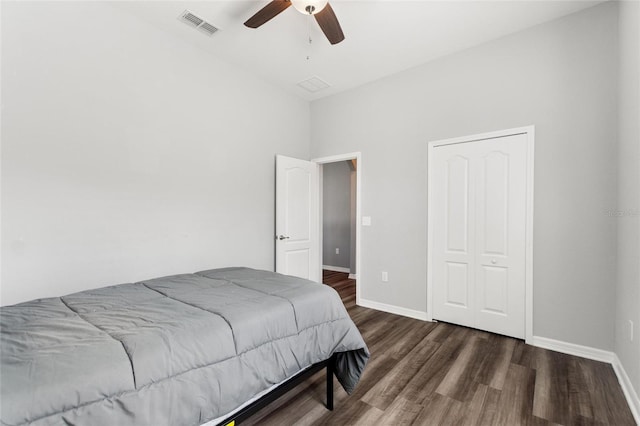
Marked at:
<point>630,331</point>
<point>337,250</point>
<point>385,276</point>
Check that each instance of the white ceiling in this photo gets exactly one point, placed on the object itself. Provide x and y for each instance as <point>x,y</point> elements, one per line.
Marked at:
<point>383,37</point>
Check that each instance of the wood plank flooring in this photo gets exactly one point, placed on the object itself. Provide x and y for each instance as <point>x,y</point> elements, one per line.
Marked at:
<point>423,373</point>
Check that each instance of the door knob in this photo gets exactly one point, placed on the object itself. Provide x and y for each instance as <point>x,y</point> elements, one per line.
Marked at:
<point>282,237</point>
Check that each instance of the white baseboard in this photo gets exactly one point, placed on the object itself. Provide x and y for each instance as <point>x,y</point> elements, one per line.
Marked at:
<point>597,355</point>
<point>353,276</point>
<point>573,349</point>
<point>392,309</point>
<point>627,388</point>
<point>336,268</point>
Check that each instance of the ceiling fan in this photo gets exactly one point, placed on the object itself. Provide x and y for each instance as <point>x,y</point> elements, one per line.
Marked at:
<point>320,9</point>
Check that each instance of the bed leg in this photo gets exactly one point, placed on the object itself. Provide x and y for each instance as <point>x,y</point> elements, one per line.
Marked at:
<point>330,367</point>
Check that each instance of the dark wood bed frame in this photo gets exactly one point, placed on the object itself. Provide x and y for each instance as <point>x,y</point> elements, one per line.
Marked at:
<point>285,387</point>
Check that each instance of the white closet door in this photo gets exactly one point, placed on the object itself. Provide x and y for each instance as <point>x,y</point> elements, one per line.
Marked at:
<point>479,191</point>
<point>454,236</point>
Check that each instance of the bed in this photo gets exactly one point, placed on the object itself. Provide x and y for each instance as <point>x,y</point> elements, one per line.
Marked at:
<point>178,350</point>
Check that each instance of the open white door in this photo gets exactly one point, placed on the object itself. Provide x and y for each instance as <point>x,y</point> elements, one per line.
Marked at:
<point>297,221</point>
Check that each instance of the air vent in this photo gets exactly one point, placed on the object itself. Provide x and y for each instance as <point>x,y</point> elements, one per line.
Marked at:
<point>207,28</point>
<point>195,21</point>
<point>313,84</point>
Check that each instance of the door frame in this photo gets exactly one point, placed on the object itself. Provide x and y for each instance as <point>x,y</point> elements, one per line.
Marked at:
<point>530,132</point>
<point>334,159</point>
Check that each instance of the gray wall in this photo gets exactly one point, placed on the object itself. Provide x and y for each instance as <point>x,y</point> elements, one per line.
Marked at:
<point>560,77</point>
<point>336,214</point>
<point>627,210</point>
<point>122,155</point>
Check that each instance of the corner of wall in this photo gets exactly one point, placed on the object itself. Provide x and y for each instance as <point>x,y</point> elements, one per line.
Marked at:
<point>627,211</point>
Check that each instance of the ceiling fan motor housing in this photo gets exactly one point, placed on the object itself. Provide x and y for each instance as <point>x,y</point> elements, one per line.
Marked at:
<point>309,7</point>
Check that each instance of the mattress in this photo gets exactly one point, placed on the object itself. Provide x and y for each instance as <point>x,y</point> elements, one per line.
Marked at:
<point>178,350</point>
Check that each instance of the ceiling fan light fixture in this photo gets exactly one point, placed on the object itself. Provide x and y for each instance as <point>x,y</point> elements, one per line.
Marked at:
<point>309,7</point>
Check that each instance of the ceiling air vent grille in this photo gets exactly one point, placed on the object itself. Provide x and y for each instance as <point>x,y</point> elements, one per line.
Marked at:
<point>207,28</point>
<point>313,84</point>
<point>195,21</point>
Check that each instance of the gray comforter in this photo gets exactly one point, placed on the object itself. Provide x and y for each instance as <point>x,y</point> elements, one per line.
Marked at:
<point>178,350</point>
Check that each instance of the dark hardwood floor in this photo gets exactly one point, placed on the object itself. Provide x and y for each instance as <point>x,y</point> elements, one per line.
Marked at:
<point>423,373</point>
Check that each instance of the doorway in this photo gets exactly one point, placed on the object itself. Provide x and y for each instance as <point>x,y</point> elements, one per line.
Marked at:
<point>340,178</point>
<point>339,216</point>
<point>480,231</point>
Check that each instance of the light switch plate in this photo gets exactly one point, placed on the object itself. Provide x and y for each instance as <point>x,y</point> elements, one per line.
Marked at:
<point>366,220</point>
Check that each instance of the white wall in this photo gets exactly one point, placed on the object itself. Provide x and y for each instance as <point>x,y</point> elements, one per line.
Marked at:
<point>560,77</point>
<point>336,214</point>
<point>129,154</point>
<point>628,207</point>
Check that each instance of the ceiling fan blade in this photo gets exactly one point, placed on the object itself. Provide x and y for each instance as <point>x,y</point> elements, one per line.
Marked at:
<point>267,13</point>
<point>329,24</point>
